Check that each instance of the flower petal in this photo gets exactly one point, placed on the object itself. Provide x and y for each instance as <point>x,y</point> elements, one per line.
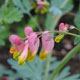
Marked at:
<point>17,42</point>
<point>47,42</point>
<point>33,42</point>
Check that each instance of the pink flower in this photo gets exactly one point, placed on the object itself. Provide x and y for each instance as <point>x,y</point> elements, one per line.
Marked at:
<point>24,54</point>
<point>63,27</point>
<point>33,42</point>
<point>41,3</point>
<point>28,30</point>
<point>17,42</point>
<point>42,7</point>
<point>47,42</point>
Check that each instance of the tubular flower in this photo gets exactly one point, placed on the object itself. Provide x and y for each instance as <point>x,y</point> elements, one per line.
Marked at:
<point>26,49</point>
<point>33,42</point>
<point>48,44</point>
<point>64,28</point>
<point>28,30</point>
<point>23,56</point>
<point>42,7</point>
<point>17,42</point>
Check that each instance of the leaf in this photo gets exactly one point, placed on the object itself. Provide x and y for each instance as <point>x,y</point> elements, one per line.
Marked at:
<point>65,75</point>
<point>76,40</point>
<point>61,6</point>
<point>32,70</point>
<point>51,21</point>
<point>77,23</point>
<point>11,15</point>
<point>77,19</point>
<point>4,70</point>
<point>23,5</point>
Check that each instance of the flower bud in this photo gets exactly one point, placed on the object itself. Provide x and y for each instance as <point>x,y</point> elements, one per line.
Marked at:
<point>28,30</point>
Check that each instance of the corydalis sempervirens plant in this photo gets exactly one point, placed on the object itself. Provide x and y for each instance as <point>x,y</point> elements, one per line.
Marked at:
<point>42,6</point>
<point>26,49</point>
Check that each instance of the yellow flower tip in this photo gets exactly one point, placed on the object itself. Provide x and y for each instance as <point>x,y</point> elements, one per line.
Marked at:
<point>12,50</point>
<point>30,59</point>
<point>30,56</point>
<point>43,55</point>
<point>59,38</point>
<point>16,55</point>
<point>21,61</point>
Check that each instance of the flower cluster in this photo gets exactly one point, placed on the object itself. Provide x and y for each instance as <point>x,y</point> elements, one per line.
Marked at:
<point>26,49</point>
<point>42,7</point>
<point>63,28</point>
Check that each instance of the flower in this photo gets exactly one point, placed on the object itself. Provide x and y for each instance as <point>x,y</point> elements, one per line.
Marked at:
<point>33,42</point>
<point>42,7</point>
<point>26,49</point>
<point>17,42</point>
<point>64,28</point>
<point>28,30</point>
<point>23,56</point>
<point>48,44</point>
<point>18,45</point>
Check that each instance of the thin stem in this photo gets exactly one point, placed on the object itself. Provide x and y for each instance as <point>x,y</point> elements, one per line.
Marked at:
<point>65,61</point>
<point>66,33</point>
<point>37,25</point>
<point>47,67</point>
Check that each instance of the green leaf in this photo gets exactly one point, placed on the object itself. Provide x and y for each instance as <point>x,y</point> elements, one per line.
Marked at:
<point>11,15</point>
<point>65,75</point>
<point>51,21</point>
<point>2,42</point>
<point>23,5</point>
<point>61,6</point>
<point>77,23</point>
<point>32,70</point>
<point>77,19</point>
<point>76,40</point>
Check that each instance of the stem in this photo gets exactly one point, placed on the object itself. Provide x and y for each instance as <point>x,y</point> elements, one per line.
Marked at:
<point>65,61</point>
<point>66,33</point>
<point>47,67</point>
<point>37,25</point>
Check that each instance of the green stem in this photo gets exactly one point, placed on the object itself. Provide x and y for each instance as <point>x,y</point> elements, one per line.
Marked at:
<point>65,33</point>
<point>68,33</point>
<point>47,67</point>
<point>37,25</point>
<point>65,61</point>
